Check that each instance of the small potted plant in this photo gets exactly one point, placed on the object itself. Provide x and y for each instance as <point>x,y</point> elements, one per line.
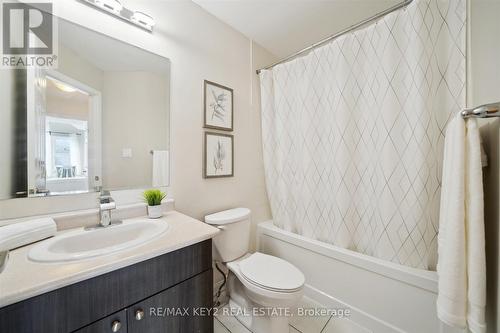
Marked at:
<point>153,198</point>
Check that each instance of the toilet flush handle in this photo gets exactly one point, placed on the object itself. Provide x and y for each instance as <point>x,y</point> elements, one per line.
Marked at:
<point>221,227</point>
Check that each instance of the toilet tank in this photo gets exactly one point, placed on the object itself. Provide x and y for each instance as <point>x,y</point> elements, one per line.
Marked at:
<point>233,240</point>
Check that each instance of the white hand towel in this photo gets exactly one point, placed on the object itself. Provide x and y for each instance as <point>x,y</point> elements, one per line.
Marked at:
<point>160,168</point>
<point>474,218</point>
<point>462,265</point>
<point>19,234</point>
<point>484,157</point>
<point>451,268</point>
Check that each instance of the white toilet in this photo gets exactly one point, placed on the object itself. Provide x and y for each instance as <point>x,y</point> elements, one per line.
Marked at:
<point>263,289</point>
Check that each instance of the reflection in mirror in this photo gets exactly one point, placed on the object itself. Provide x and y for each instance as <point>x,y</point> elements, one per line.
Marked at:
<point>66,136</point>
<point>13,134</point>
<point>90,123</point>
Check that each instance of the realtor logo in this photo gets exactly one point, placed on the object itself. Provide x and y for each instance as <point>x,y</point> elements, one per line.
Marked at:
<point>28,35</point>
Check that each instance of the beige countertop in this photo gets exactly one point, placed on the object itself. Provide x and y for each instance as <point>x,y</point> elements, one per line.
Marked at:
<point>23,278</point>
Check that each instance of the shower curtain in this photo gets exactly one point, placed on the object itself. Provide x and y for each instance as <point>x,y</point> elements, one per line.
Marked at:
<point>353,133</point>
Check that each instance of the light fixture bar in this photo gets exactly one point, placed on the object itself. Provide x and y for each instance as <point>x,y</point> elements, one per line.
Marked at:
<point>116,9</point>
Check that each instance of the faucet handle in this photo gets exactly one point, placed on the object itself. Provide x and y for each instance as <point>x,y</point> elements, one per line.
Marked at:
<point>106,202</point>
<point>104,194</point>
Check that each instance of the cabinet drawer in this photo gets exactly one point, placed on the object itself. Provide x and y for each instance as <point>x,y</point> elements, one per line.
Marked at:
<point>166,311</point>
<point>116,323</point>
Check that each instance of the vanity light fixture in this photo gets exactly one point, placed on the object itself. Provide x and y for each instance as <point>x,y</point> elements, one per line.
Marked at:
<point>143,19</point>
<point>116,9</point>
<point>113,5</point>
<point>64,87</point>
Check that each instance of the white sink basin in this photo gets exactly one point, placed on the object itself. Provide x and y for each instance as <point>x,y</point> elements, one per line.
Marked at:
<point>83,244</point>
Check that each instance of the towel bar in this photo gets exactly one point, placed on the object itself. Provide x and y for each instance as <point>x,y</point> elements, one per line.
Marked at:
<point>483,111</point>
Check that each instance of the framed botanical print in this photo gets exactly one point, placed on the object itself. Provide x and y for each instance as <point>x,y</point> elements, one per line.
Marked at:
<point>218,156</point>
<point>218,107</point>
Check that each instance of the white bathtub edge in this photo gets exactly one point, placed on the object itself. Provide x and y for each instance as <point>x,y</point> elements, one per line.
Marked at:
<point>358,316</point>
<point>426,280</point>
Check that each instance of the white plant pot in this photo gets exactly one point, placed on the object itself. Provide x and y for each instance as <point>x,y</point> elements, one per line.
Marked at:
<point>155,212</point>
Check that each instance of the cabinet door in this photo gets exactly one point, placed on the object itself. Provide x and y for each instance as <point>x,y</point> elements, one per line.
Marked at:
<point>115,323</point>
<point>184,308</point>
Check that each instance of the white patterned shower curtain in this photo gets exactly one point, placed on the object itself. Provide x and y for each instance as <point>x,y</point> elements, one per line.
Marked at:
<point>353,133</point>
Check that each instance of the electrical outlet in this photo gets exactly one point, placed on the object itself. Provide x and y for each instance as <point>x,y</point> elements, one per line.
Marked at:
<point>126,152</point>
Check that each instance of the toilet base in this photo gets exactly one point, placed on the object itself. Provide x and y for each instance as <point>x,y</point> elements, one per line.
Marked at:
<point>260,323</point>
<point>257,318</point>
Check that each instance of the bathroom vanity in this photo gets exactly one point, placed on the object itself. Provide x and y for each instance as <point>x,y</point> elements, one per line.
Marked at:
<point>164,285</point>
<point>98,120</point>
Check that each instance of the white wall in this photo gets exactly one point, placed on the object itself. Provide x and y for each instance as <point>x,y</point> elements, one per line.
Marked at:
<point>484,87</point>
<point>199,47</point>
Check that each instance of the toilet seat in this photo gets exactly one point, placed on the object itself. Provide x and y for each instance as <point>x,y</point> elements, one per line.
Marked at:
<point>271,273</point>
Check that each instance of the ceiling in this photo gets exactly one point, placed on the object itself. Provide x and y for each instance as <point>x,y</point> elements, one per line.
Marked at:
<point>286,26</point>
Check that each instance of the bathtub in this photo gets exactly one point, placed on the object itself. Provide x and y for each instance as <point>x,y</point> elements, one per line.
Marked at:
<point>384,297</point>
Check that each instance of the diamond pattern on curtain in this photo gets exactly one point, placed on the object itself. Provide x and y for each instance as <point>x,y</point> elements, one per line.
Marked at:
<point>353,133</point>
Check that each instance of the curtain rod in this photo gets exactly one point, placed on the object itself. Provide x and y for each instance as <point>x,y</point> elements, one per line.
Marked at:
<point>338,34</point>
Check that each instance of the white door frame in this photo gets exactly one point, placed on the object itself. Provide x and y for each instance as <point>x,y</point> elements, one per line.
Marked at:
<point>95,127</point>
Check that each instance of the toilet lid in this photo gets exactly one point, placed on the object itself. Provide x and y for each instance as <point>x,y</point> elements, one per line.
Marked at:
<point>271,272</point>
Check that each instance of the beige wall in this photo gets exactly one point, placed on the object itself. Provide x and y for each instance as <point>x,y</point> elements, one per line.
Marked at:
<point>260,59</point>
<point>72,65</point>
<point>199,47</point>
<point>484,87</point>
<point>135,116</point>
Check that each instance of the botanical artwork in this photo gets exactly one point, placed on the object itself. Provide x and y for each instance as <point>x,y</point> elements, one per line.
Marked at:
<point>218,112</point>
<point>218,155</point>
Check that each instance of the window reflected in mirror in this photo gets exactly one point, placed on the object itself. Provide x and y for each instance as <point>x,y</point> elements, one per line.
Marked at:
<point>66,137</point>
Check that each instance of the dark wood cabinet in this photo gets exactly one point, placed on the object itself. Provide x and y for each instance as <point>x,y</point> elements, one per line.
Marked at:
<point>150,296</point>
<point>182,308</point>
<point>115,323</point>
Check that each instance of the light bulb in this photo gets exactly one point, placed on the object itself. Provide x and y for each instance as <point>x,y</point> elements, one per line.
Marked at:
<point>143,19</point>
<point>113,5</point>
<point>61,86</point>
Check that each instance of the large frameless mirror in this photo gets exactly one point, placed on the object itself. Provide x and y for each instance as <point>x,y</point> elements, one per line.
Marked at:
<point>93,122</point>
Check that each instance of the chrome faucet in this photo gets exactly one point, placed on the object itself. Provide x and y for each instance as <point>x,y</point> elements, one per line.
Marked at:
<point>106,205</point>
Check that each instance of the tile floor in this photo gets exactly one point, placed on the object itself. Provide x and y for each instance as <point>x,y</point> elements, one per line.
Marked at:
<point>321,324</point>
